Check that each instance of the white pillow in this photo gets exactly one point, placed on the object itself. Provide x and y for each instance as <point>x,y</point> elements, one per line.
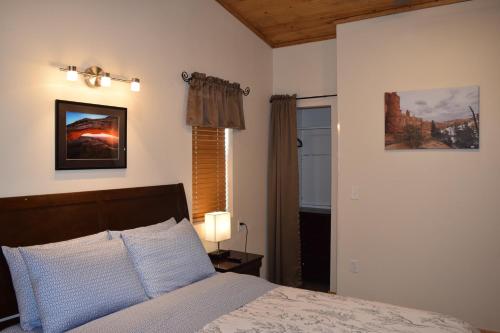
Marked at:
<point>150,228</point>
<point>169,259</point>
<point>77,284</point>
<point>26,302</point>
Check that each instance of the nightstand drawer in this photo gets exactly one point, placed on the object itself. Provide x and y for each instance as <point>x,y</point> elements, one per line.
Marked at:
<point>249,263</point>
<point>250,269</point>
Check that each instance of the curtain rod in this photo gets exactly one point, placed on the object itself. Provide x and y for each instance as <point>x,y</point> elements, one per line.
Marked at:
<point>320,96</point>
<point>187,78</point>
<point>309,97</point>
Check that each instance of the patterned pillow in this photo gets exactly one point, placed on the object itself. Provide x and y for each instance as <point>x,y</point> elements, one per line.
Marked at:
<point>29,318</point>
<point>169,259</point>
<point>150,228</point>
<point>77,284</point>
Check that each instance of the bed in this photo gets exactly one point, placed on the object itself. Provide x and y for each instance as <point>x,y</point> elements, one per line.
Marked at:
<point>220,303</point>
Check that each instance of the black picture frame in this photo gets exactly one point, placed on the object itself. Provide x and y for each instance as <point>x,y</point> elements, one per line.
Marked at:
<point>96,138</point>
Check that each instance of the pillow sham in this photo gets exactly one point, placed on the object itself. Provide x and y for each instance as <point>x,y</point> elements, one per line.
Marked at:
<point>77,284</point>
<point>169,259</point>
<point>115,234</point>
<point>26,302</point>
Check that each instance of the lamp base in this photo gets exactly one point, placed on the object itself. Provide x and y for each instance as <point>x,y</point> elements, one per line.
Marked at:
<point>219,254</point>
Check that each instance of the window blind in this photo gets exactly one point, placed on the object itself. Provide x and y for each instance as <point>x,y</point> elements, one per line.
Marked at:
<point>209,171</point>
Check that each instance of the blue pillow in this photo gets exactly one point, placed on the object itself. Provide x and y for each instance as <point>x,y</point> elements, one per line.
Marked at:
<point>170,259</point>
<point>77,284</point>
<point>26,302</point>
<point>150,228</point>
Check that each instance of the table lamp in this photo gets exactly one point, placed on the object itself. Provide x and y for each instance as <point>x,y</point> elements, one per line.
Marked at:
<point>218,229</point>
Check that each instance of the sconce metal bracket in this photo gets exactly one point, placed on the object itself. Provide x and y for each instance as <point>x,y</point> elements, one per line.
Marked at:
<point>93,76</point>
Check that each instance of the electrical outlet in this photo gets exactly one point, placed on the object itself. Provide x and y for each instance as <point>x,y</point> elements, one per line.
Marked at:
<point>240,227</point>
<point>354,266</point>
<point>355,192</point>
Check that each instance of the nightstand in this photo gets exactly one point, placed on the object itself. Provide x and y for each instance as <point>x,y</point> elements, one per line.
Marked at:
<point>249,263</point>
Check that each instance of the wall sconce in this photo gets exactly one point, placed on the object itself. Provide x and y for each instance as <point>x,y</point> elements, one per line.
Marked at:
<point>135,85</point>
<point>96,77</point>
<point>106,80</point>
<point>72,74</point>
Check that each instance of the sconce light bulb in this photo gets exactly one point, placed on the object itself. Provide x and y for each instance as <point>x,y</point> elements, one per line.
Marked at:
<point>135,85</point>
<point>72,74</point>
<point>106,80</point>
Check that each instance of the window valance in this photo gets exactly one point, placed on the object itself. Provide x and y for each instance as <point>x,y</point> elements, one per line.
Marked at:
<point>214,103</point>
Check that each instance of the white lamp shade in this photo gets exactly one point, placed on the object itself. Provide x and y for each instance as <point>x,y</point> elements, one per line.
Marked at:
<point>106,80</point>
<point>72,74</point>
<point>217,226</point>
<point>135,85</point>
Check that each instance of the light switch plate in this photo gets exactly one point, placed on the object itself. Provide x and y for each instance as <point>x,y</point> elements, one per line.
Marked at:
<point>355,266</point>
<point>355,192</point>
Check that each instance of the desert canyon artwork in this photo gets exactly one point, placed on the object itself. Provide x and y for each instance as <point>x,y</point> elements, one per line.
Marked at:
<point>432,119</point>
<point>91,136</point>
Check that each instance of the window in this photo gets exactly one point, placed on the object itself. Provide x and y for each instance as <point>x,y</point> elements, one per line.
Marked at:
<point>209,171</point>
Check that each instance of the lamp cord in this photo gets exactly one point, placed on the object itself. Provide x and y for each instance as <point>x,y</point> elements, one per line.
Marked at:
<point>246,235</point>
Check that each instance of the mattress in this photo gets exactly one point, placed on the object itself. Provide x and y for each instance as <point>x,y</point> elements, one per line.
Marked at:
<point>234,303</point>
<point>286,309</point>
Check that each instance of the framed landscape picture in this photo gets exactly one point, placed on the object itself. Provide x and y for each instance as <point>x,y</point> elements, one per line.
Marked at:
<point>432,119</point>
<point>90,136</point>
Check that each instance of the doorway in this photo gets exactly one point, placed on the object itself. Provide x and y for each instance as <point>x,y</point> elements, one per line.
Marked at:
<point>314,144</point>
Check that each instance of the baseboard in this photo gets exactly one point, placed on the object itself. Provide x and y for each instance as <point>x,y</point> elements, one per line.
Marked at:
<point>486,331</point>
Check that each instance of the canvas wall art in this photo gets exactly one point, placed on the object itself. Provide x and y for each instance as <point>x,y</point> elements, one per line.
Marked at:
<point>432,119</point>
<point>90,136</point>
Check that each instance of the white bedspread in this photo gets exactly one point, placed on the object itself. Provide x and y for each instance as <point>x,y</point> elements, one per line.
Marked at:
<point>287,309</point>
<point>234,303</point>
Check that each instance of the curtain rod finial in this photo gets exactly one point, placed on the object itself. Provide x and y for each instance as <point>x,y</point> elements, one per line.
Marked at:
<point>185,76</point>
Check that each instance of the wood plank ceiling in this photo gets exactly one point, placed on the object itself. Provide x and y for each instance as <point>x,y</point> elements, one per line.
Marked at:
<point>288,22</point>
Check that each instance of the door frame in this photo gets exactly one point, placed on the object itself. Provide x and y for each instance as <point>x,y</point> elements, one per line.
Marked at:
<point>330,102</point>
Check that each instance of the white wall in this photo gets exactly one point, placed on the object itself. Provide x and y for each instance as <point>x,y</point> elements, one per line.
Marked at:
<point>306,69</point>
<point>311,70</point>
<point>153,40</point>
<point>426,228</point>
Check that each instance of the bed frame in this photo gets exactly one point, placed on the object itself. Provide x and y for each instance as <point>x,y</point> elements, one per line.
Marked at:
<point>50,218</point>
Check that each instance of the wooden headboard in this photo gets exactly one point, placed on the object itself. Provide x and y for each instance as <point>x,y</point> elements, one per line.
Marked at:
<point>50,218</point>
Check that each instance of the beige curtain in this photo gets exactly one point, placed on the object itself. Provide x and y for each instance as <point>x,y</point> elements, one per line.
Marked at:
<point>283,194</point>
<point>215,103</point>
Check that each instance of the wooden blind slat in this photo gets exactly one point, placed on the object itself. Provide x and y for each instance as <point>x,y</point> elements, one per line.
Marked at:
<point>203,163</point>
<point>209,171</point>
